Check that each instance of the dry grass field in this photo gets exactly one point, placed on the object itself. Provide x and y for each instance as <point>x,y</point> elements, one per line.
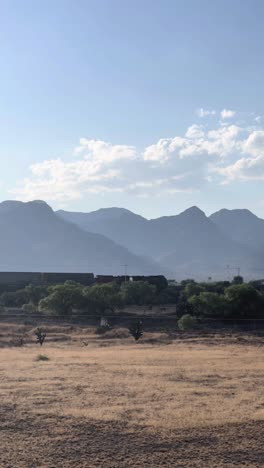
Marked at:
<point>106,401</point>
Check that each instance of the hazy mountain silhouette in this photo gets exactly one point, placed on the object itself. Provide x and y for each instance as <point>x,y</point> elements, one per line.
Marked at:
<point>242,226</point>
<point>119,224</point>
<point>34,238</point>
<point>190,244</point>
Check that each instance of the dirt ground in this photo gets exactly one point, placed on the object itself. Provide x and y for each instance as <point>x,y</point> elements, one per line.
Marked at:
<point>106,401</point>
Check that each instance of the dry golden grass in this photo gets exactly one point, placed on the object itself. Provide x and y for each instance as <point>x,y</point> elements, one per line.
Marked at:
<point>118,400</point>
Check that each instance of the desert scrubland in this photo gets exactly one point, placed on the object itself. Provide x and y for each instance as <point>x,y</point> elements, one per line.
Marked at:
<point>107,401</point>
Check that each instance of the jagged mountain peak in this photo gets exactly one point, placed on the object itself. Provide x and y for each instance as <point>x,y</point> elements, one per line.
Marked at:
<point>193,211</point>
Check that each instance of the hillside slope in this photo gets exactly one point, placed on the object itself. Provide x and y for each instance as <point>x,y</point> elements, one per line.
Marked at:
<point>242,226</point>
<point>34,238</point>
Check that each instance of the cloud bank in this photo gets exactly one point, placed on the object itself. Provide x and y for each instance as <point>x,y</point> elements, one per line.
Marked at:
<point>204,154</point>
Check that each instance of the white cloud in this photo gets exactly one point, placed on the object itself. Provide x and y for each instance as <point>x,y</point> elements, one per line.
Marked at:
<point>254,144</point>
<point>163,149</point>
<point>247,168</point>
<point>182,163</point>
<point>195,131</point>
<point>244,169</point>
<point>219,142</point>
<point>227,113</point>
<point>205,112</point>
<point>98,150</point>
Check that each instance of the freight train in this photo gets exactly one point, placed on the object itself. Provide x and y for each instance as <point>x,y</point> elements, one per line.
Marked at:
<point>12,281</point>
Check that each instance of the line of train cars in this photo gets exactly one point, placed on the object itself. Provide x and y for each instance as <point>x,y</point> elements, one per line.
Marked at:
<point>12,281</point>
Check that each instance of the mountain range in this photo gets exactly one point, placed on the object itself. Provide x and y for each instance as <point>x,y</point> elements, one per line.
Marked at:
<point>189,244</point>
<point>33,237</point>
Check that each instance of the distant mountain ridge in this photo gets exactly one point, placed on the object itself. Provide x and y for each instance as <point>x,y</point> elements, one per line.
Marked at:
<point>189,244</point>
<point>34,238</point>
<point>242,226</point>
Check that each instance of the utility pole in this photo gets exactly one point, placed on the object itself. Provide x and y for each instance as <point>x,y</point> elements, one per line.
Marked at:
<point>228,272</point>
<point>234,268</point>
<point>125,267</point>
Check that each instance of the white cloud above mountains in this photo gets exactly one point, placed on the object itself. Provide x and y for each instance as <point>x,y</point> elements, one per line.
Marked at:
<point>227,114</point>
<point>105,152</point>
<point>224,114</point>
<point>205,112</point>
<point>219,154</point>
<point>247,168</point>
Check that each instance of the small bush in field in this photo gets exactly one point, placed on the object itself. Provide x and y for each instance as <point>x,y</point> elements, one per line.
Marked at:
<point>187,322</point>
<point>40,336</point>
<point>42,357</point>
<point>136,330</point>
<point>29,308</point>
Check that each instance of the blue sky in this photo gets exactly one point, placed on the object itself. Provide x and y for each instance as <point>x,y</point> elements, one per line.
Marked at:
<point>150,105</point>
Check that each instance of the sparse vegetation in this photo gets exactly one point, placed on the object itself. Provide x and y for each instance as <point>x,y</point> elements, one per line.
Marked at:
<point>136,330</point>
<point>42,357</point>
<point>173,399</point>
<point>40,336</point>
<point>29,307</point>
<point>187,322</point>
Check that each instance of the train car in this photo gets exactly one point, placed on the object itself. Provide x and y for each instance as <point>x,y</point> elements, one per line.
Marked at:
<point>12,281</point>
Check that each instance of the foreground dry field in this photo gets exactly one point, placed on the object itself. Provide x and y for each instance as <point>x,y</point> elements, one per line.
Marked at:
<point>114,403</point>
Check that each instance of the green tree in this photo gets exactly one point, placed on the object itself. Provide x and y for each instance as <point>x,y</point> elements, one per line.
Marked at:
<point>170,295</point>
<point>101,297</point>
<point>193,289</point>
<point>184,307</point>
<point>186,281</point>
<point>14,298</point>
<point>238,279</point>
<point>216,286</point>
<point>245,301</point>
<point>35,293</point>
<point>63,298</point>
<point>138,293</point>
<point>209,304</point>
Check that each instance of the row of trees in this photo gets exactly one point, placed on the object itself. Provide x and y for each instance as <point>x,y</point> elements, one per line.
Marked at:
<point>236,300</point>
<point>62,299</point>
<point>218,300</point>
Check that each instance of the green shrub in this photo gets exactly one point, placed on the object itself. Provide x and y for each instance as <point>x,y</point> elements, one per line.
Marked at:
<point>29,307</point>
<point>187,322</point>
<point>42,357</point>
<point>40,336</point>
<point>136,330</point>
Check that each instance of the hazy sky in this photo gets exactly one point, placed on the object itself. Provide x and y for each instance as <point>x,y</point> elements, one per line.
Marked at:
<point>154,105</point>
